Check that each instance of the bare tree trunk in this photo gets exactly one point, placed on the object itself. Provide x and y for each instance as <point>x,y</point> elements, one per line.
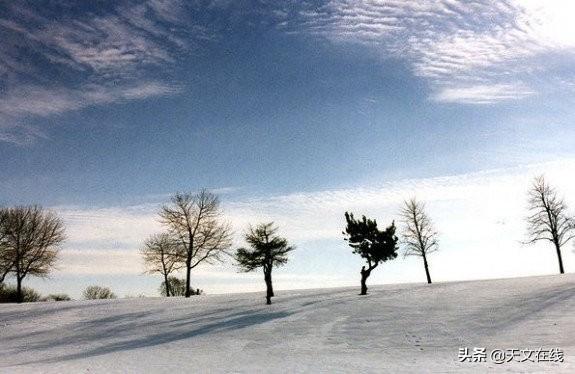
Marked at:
<point>19,296</point>
<point>558,248</point>
<point>167,283</point>
<point>364,276</point>
<point>188,273</point>
<point>269,287</point>
<point>426,269</point>
<point>3,276</point>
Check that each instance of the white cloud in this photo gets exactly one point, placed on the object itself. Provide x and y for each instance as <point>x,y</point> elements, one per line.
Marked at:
<point>470,52</point>
<point>110,57</point>
<point>120,228</point>
<point>99,262</point>
<point>28,101</point>
<point>483,94</point>
<point>113,44</point>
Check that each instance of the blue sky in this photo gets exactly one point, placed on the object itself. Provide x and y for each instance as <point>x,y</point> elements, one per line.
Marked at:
<point>288,110</point>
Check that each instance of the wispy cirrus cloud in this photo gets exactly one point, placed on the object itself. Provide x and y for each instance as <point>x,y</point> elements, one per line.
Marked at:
<point>483,94</point>
<point>114,43</point>
<point>29,101</point>
<point>471,52</point>
<point>56,59</point>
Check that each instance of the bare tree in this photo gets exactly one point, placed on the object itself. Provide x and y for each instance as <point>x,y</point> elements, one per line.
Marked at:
<point>98,293</point>
<point>267,250</point>
<point>31,238</point>
<point>196,221</point>
<point>161,255</point>
<point>419,236</point>
<point>548,219</point>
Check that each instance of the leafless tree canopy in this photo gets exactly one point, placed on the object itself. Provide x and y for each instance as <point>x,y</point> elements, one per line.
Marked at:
<point>98,293</point>
<point>195,220</point>
<point>31,237</point>
<point>548,219</point>
<point>419,235</point>
<point>162,255</point>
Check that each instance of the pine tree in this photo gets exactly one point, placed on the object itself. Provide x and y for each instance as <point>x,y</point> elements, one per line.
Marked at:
<point>268,250</point>
<point>370,243</point>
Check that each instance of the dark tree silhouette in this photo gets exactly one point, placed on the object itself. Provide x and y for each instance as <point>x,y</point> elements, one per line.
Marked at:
<point>6,259</point>
<point>97,293</point>
<point>267,249</point>
<point>161,255</point>
<point>9,294</point>
<point>5,263</point>
<point>548,219</point>
<point>370,243</point>
<point>195,221</point>
<point>6,256</point>
<point>419,236</point>
<point>31,239</point>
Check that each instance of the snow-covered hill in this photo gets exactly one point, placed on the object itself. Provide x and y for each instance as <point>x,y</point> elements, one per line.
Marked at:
<point>397,328</point>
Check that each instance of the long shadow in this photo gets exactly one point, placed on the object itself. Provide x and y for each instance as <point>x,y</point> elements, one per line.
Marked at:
<point>126,324</point>
<point>45,309</point>
<point>122,327</point>
<point>74,334</point>
<point>114,326</point>
<point>242,320</point>
<point>511,313</point>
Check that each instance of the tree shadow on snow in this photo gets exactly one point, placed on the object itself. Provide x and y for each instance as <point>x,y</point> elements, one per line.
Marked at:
<point>518,308</point>
<point>222,324</point>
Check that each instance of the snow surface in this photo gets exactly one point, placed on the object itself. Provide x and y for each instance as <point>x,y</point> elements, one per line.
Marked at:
<point>396,328</point>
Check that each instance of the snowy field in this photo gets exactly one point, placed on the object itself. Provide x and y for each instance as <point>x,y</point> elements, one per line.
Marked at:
<point>397,328</point>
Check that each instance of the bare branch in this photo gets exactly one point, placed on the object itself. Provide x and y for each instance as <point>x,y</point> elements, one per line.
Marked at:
<point>29,241</point>
<point>419,236</point>
<point>194,220</point>
<point>549,219</point>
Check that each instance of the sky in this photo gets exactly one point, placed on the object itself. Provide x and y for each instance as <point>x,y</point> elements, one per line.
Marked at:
<point>292,112</point>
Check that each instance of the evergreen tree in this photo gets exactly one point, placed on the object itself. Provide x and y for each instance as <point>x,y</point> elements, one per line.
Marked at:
<point>267,250</point>
<point>370,243</point>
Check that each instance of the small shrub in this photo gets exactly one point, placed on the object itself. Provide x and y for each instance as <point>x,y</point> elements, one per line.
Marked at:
<point>98,292</point>
<point>140,296</point>
<point>8,294</point>
<point>57,297</point>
